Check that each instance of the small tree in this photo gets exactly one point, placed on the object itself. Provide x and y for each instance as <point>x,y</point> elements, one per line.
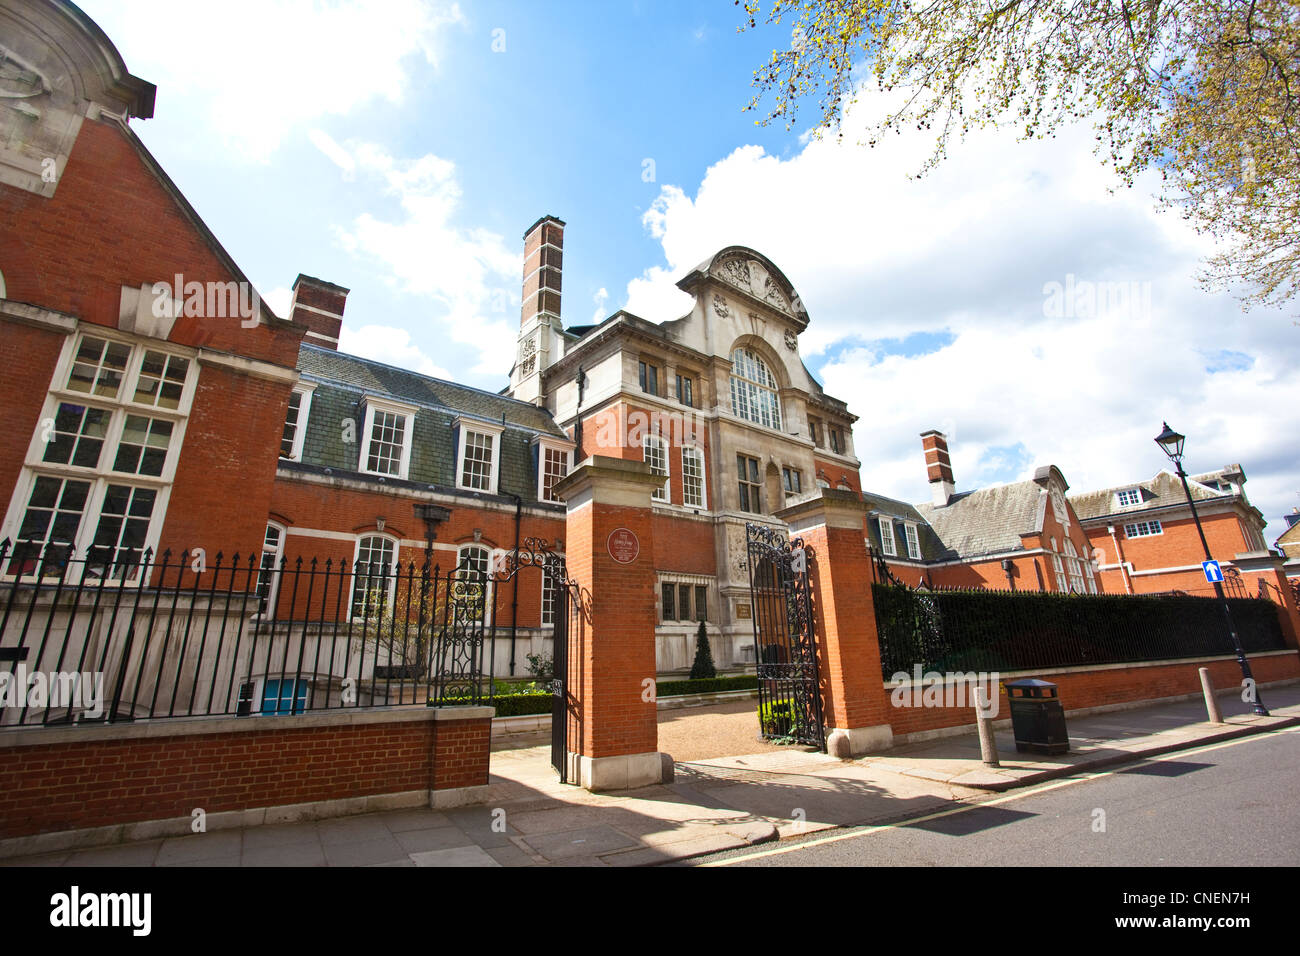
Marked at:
<point>703,668</point>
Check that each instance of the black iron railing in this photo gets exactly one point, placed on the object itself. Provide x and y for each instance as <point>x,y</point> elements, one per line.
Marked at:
<point>947,630</point>
<point>193,636</point>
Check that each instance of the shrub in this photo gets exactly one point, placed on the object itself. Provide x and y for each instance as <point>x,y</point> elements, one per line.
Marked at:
<point>703,668</point>
<point>676,688</point>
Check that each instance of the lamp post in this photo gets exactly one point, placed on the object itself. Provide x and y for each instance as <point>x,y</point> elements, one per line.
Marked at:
<point>1171,443</point>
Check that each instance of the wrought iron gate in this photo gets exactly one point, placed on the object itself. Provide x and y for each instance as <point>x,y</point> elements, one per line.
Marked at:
<point>566,613</point>
<point>785,643</point>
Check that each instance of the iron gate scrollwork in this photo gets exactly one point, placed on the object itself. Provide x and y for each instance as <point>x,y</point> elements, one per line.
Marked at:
<point>789,685</point>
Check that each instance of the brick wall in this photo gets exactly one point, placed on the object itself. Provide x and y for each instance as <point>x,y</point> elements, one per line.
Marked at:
<point>265,762</point>
<point>1081,689</point>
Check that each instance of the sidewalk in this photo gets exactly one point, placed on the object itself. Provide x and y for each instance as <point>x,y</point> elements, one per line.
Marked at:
<point>713,804</point>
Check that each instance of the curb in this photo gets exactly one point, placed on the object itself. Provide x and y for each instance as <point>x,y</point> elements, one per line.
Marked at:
<point>1111,760</point>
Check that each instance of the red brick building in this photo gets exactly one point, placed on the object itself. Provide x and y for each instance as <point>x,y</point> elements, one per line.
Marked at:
<point>1146,541</point>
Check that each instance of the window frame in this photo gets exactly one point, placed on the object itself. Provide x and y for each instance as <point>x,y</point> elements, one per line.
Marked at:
<point>689,382</point>
<point>267,604</point>
<point>748,486</point>
<point>752,390</point>
<point>375,404</point>
<point>543,447</point>
<point>103,475</point>
<point>664,492</point>
<point>1146,526</point>
<point>912,540</point>
<point>648,375</point>
<point>888,542</point>
<point>306,390</point>
<point>697,455</point>
<point>393,572</point>
<point>461,550</point>
<point>463,427</point>
<point>1136,493</point>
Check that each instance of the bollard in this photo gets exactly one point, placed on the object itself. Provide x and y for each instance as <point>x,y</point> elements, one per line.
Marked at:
<point>988,746</point>
<point>1211,705</point>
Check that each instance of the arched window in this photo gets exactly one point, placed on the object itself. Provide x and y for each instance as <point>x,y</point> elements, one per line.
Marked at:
<point>472,591</point>
<point>374,576</point>
<point>753,390</point>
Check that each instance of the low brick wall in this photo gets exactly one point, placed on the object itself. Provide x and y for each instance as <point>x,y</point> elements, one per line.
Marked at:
<point>237,770</point>
<point>1107,685</point>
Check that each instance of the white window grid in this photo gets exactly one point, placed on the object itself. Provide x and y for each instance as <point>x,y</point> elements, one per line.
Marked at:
<point>754,390</point>
<point>295,423</point>
<point>472,587</point>
<point>99,467</point>
<point>374,577</point>
<point>887,537</point>
<point>555,466</point>
<point>1142,529</point>
<point>476,467</point>
<point>268,572</point>
<point>1129,496</point>
<point>693,477</point>
<point>913,542</point>
<point>654,453</point>
<point>387,441</point>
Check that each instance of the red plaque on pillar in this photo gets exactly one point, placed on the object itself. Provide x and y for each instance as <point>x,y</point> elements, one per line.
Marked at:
<point>624,546</point>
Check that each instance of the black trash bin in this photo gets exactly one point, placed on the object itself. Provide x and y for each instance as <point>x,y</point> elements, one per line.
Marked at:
<point>1037,717</point>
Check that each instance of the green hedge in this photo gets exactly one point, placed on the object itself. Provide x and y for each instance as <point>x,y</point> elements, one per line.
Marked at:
<point>509,705</point>
<point>712,685</point>
<point>998,631</point>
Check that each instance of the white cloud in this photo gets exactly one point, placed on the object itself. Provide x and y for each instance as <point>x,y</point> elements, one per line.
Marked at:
<point>251,72</point>
<point>470,275</point>
<point>601,298</point>
<point>279,299</point>
<point>390,345</point>
<point>964,255</point>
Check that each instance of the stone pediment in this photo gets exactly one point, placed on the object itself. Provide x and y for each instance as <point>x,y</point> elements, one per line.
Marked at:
<point>749,275</point>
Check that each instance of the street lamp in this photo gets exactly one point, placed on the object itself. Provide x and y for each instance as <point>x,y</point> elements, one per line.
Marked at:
<point>1171,443</point>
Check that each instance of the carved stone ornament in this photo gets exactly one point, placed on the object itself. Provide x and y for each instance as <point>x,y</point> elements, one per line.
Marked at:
<point>791,340</point>
<point>720,306</point>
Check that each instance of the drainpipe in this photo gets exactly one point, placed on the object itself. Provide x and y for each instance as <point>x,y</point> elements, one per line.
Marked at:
<point>1119,559</point>
<point>514,600</point>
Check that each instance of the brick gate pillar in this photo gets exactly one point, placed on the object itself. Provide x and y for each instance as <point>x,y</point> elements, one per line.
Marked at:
<point>609,549</point>
<point>857,711</point>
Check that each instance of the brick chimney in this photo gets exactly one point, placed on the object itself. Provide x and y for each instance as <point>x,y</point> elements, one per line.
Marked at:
<point>543,267</point>
<point>938,467</point>
<point>318,305</point>
<point>539,318</point>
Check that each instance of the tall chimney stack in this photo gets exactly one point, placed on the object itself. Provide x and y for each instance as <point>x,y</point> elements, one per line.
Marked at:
<point>938,467</point>
<point>318,305</point>
<point>539,342</point>
<point>543,267</point>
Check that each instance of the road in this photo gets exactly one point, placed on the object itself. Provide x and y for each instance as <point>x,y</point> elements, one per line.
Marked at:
<point>1230,804</point>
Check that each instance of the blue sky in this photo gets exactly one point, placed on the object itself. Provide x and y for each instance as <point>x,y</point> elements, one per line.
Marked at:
<point>400,148</point>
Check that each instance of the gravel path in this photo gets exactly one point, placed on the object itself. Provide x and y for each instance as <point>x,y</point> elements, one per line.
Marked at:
<point>719,730</point>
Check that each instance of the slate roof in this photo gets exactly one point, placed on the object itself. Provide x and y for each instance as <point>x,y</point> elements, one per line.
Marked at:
<point>986,521</point>
<point>375,378</point>
<point>1164,490</point>
<point>932,548</point>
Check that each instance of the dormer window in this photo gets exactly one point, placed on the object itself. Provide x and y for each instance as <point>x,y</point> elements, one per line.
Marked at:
<point>387,433</point>
<point>1130,496</point>
<point>478,455</point>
